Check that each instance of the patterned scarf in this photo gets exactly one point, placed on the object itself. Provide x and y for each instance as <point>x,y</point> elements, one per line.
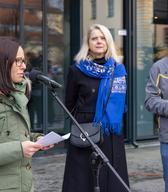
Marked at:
<point>111,119</point>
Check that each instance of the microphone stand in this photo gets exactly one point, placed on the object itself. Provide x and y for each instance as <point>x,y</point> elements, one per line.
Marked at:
<point>98,158</point>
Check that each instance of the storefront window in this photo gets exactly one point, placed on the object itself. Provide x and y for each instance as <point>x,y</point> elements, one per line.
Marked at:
<point>33,49</point>
<point>39,25</point>
<point>55,20</point>
<point>151,45</point>
<point>9,19</point>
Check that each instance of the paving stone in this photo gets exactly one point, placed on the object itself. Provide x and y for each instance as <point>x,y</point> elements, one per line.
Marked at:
<point>144,167</point>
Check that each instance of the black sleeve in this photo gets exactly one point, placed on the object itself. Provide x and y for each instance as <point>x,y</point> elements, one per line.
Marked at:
<point>71,93</point>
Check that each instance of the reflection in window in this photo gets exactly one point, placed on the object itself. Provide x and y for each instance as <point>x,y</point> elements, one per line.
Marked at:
<point>160,21</point>
<point>93,8</point>
<point>57,4</point>
<point>110,8</point>
<point>145,53</point>
<point>55,20</point>
<point>151,40</point>
<point>33,3</point>
<point>112,31</point>
<point>166,36</point>
<point>33,48</point>
<point>161,12</point>
<point>9,20</point>
<point>11,2</point>
<point>33,24</point>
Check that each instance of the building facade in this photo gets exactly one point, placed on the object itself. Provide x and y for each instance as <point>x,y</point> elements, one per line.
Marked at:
<point>51,32</point>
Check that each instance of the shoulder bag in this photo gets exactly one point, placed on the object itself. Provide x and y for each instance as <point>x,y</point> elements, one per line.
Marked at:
<point>78,139</point>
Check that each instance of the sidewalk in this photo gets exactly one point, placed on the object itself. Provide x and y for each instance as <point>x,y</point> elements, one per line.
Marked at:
<point>144,167</point>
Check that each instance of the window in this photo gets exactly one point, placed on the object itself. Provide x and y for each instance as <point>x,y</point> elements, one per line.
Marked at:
<point>110,8</point>
<point>166,36</point>
<point>93,8</point>
<point>112,31</point>
<point>161,12</point>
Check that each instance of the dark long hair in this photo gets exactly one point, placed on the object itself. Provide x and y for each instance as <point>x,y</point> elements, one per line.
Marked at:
<point>8,50</point>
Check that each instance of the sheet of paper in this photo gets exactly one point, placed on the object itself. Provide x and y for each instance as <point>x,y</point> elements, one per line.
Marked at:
<point>52,138</point>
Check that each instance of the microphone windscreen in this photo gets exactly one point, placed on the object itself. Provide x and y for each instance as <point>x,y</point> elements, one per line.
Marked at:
<point>33,75</point>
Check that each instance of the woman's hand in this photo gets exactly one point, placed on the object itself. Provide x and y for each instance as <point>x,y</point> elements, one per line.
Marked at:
<point>44,148</point>
<point>47,147</point>
<point>29,148</point>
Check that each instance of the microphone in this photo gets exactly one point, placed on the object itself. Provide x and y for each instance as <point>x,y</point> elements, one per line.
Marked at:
<point>37,76</point>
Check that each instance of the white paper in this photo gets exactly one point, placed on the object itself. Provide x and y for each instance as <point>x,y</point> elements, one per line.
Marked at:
<point>52,138</point>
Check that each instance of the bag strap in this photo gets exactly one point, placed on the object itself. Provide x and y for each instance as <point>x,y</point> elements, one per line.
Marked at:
<point>74,110</point>
<point>109,92</point>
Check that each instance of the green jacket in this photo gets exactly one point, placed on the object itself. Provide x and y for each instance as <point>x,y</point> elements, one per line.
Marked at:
<point>15,170</point>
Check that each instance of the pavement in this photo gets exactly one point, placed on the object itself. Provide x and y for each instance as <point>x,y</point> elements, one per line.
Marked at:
<point>144,168</point>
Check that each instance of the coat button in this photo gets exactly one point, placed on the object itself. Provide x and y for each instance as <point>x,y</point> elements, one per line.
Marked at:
<point>93,90</point>
<point>28,166</point>
<point>26,134</point>
<point>7,133</point>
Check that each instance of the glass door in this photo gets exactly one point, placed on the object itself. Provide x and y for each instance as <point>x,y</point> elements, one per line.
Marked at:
<point>40,27</point>
<point>55,20</point>
<point>152,41</point>
<point>44,44</point>
<point>33,44</point>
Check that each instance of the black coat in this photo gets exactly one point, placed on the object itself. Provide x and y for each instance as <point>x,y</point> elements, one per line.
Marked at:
<point>81,95</point>
<point>78,177</point>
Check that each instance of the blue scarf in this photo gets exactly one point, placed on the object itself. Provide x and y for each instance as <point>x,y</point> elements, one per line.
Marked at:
<point>111,119</point>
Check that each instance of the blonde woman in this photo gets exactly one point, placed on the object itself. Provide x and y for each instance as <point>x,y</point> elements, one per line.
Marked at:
<point>87,89</point>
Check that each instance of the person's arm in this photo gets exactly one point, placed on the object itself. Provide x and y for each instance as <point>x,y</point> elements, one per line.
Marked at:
<point>10,152</point>
<point>153,101</point>
<point>34,136</point>
<point>15,150</point>
<point>71,93</point>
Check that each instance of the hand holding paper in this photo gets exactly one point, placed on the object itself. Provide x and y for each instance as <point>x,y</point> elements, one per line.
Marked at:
<point>52,138</point>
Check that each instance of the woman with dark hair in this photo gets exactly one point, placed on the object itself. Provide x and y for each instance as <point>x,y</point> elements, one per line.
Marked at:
<point>16,149</point>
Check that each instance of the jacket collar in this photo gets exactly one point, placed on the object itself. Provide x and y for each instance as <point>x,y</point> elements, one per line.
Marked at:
<point>10,101</point>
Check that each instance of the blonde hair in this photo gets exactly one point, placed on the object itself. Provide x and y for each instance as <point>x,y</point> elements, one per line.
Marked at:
<point>83,53</point>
